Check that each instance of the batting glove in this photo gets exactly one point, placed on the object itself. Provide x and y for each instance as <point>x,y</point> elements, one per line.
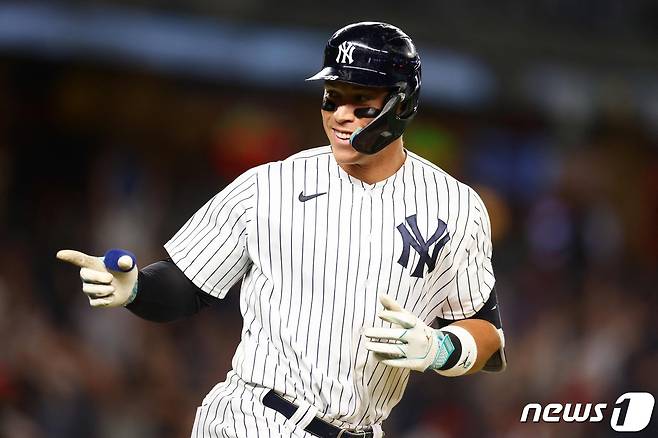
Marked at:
<point>410,343</point>
<point>108,281</point>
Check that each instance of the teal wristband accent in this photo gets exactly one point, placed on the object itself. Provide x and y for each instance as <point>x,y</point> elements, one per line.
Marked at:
<point>445,350</point>
<point>132,296</point>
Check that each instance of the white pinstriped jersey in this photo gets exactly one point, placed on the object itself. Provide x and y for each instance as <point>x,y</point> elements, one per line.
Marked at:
<point>314,248</point>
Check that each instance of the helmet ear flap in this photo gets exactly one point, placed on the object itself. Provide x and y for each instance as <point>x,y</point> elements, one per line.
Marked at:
<point>408,107</point>
<point>383,129</point>
<point>410,102</point>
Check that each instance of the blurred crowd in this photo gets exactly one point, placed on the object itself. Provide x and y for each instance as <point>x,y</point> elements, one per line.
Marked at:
<point>93,158</point>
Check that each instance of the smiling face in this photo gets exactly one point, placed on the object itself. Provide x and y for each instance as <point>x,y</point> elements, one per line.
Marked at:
<point>340,124</point>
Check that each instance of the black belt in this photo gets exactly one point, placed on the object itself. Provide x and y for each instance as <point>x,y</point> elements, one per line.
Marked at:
<point>316,427</point>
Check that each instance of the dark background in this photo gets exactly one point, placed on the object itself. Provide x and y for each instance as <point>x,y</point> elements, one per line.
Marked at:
<point>118,119</point>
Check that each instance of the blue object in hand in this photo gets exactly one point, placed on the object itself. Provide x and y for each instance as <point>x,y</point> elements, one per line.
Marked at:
<point>111,260</point>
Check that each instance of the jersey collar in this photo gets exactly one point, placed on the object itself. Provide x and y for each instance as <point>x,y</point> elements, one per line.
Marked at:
<point>336,171</point>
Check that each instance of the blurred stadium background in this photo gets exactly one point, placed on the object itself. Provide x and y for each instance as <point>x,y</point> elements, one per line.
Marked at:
<point>118,119</point>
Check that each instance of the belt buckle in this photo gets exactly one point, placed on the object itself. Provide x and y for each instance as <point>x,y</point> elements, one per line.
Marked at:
<point>362,433</point>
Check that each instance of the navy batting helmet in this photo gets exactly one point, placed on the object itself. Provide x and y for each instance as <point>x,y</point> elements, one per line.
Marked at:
<point>375,55</point>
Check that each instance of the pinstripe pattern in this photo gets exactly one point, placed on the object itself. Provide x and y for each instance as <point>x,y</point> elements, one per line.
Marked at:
<point>236,410</point>
<point>312,272</point>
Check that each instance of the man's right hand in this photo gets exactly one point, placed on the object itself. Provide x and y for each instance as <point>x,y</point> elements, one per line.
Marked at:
<point>108,281</point>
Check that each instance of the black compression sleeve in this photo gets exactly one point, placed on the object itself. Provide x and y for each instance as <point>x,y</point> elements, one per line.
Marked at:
<point>164,293</point>
<point>489,312</point>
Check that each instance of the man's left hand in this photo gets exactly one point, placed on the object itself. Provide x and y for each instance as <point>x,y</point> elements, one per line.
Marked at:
<point>409,343</point>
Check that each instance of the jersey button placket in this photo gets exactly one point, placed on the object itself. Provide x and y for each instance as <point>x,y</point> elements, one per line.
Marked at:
<point>368,196</point>
<point>366,226</point>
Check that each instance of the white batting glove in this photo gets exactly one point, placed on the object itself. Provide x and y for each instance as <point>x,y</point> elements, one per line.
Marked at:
<point>108,281</point>
<point>410,343</point>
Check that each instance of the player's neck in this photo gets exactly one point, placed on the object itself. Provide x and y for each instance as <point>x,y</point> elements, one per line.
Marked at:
<point>378,167</point>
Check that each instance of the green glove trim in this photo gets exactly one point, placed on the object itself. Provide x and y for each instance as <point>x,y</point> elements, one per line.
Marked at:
<point>133,294</point>
<point>445,350</point>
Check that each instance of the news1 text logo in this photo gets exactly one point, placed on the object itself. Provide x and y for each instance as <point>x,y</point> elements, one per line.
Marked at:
<point>631,412</point>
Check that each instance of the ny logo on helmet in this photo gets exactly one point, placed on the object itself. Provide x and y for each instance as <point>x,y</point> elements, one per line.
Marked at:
<point>422,247</point>
<point>345,53</point>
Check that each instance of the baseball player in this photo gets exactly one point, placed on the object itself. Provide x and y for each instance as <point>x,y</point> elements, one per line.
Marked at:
<point>349,255</point>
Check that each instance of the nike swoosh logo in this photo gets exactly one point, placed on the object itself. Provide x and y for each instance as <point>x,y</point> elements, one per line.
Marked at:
<point>304,198</point>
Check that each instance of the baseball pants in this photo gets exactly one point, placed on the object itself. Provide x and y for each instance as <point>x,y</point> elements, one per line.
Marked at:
<point>234,409</point>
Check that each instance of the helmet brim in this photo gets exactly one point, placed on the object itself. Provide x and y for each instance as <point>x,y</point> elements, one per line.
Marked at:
<point>353,75</point>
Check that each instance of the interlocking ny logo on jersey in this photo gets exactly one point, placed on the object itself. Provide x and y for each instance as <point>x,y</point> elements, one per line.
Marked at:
<point>345,53</point>
<point>422,247</point>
